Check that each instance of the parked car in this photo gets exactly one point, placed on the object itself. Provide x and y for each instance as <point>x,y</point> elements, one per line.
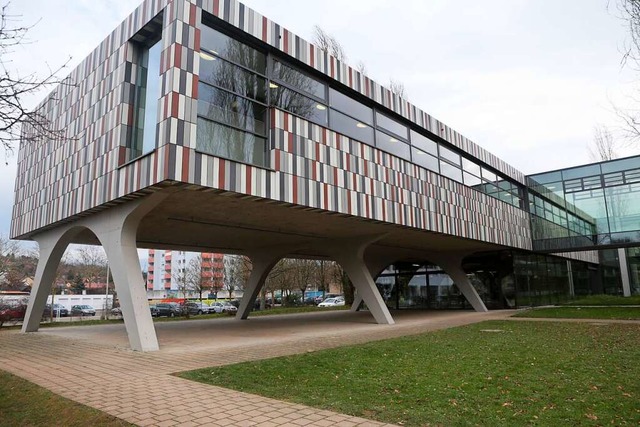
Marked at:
<point>83,310</point>
<point>58,311</point>
<point>224,307</point>
<point>197,307</point>
<point>169,309</point>
<point>12,311</point>
<point>154,311</point>
<point>332,302</point>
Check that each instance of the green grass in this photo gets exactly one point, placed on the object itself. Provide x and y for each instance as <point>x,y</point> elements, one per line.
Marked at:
<point>620,313</point>
<point>605,300</point>
<point>497,373</point>
<point>23,403</point>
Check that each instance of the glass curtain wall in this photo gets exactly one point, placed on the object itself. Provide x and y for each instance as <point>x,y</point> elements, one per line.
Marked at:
<point>587,206</point>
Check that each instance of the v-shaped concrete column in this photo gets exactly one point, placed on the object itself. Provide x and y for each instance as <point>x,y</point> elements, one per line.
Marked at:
<point>116,228</point>
<point>451,263</point>
<point>350,255</point>
<point>52,244</point>
<point>262,261</point>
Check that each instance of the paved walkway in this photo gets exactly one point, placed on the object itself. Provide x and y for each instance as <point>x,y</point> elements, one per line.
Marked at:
<point>92,364</point>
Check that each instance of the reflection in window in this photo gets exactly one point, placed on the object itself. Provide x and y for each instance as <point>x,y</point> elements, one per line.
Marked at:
<point>423,143</point>
<point>425,160</point>
<point>214,42</point>
<point>298,80</point>
<point>342,102</point>
<point>470,167</point>
<point>236,79</point>
<point>222,106</point>
<point>147,96</point>
<point>450,171</point>
<point>391,125</point>
<point>449,155</point>
<point>298,104</point>
<point>230,143</point>
<point>472,180</point>
<point>351,127</point>
<point>392,145</point>
<point>488,175</point>
<point>623,206</point>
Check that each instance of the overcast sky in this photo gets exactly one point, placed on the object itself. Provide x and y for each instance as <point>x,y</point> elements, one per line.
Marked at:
<point>526,80</point>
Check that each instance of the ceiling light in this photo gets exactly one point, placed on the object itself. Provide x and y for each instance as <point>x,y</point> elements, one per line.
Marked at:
<point>361,125</point>
<point>272,85</point>
<point>321,107</point>
<point>207,57</point>
<point>393,140</point>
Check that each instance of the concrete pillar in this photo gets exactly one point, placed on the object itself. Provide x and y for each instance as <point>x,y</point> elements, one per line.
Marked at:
<point>624,272</point>
<point>350,255</point>
<point>116,228</point>
<point>262,261</point>
<point>52,245</point>
<point>572,291</point>
<point>451,263</point>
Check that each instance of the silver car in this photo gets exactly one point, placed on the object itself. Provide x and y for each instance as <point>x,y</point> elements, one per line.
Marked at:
<point>83,310</point>
<point>224,307</point>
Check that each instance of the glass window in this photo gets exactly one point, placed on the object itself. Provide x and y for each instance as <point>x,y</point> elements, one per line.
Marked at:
<point>620,165</point>
<point>488,175</point>
<point>350,106</point>
<point>351,127</point>
<point>471,167</point>
<point>449,155</point>
<point>623,207</point>
<point>224,46</point>
<point>298,80</point>
<point>391,125</point>
<point>581,172</point>
<point>392,145</point>
<point>591,202</point>
<point>544,178</point>
<point>450,171</point>
<point>144,126</point>
<point>230,143</point>
<point>424,143</point>
<point>299,105</point>
<point>222,106</point>
<point>224,74</point>
<point>471,180</point>
<point>425,160</point>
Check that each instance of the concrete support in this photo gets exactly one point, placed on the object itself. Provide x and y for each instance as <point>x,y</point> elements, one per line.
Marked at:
<point>624,272</point>
<point>52,245</point>
<point>572,290</point>
<point>451,263</point>
<point>350,255</point>
<point>116,228</point>
<point>262,261</point>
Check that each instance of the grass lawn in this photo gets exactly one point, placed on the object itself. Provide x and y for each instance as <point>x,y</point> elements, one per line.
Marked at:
<point>605,300</point>
<point>23,403</point>
<point>623,313</point>
<point>491,373</point>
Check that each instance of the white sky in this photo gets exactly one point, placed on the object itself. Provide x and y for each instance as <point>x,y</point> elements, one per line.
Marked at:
<point>525,79</point>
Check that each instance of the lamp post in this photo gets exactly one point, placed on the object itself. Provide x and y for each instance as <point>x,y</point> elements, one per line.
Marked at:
<point>106,294</point>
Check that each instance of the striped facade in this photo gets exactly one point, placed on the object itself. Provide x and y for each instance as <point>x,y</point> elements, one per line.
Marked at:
<point>309,165</point>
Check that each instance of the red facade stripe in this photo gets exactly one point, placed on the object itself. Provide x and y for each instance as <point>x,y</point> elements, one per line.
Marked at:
<point>185,164</point>
<point>221,168</point>
<point>192,15</point>
<point>265,24</point>
<point>248,178</point>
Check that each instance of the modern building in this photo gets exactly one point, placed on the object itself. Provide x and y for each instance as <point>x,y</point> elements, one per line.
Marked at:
<point>166,268</point>
<point>204,126</point>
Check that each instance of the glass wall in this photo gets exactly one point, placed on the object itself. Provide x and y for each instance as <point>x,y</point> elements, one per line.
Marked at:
<point>147,96</point>
<point>239,82</point>
<point>587,206</point>
<point>232,99</point>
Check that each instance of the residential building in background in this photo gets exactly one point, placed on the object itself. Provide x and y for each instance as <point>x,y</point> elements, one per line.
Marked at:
<point>165,269</point>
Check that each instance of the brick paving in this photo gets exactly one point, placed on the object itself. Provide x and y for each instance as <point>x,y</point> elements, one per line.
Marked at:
<point>92,364</point>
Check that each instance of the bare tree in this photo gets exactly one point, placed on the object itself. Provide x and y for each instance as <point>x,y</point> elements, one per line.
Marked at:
<point>603,146</point>
<point>92,263</point>
<point>16,120</point>
<point>328,43</point>
<point>398,88</point>
<point>630,12</point>
<point>362,68</point>
<point>236,272</point>
<point>8,249</point>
